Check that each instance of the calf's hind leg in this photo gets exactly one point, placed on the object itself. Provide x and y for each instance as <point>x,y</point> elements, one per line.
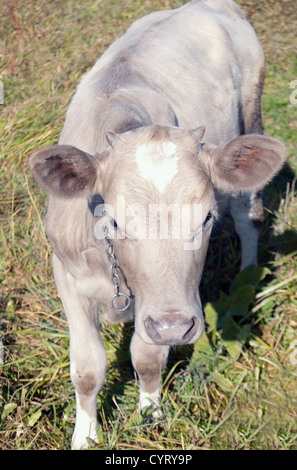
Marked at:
<point>247,212</point>
<point>148,361</point>
<point>247,209</point>
<point>87,354</point>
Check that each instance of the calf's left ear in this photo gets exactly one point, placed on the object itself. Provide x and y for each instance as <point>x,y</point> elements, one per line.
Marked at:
<point>64,170</point>
<point>244,164</point>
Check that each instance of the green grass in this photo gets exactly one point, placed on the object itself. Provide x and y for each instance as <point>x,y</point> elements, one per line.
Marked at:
<point>235,389</point>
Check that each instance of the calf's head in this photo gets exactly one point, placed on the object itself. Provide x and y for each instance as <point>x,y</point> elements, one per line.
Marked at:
<point>158,184</point>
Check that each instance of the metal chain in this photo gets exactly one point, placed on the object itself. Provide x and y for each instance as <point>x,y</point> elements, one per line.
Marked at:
<point>115,278</point>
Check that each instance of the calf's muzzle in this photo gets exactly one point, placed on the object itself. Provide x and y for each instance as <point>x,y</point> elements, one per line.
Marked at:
<point>174,329</point>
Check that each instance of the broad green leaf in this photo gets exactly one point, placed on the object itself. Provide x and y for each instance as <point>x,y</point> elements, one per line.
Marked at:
<point>202,346</point>
<point>233,337</point>
<point>241,300</point>
<point>251,275</point>
<point>234,348</point>
<point>224,383</point>
<point>8,409</point>
<point>34,418</point>
<point>211,316</point>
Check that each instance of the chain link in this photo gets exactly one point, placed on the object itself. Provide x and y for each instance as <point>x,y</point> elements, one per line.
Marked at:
<point>115,278</point>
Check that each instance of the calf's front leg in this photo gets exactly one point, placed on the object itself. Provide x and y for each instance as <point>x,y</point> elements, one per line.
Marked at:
<point>87,354</point>
<point>148,361</point>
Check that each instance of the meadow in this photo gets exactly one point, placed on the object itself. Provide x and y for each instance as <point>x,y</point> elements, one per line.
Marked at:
<point>234,389</point>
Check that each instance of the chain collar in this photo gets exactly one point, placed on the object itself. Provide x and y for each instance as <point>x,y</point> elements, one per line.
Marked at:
<point>115,278</point>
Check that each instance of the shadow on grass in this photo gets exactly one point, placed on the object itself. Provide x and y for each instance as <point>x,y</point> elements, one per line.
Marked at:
<point>119,374</point>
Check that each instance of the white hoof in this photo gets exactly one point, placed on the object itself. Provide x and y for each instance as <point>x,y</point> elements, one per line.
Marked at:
<point>149,405</point>
<point>82,434</point>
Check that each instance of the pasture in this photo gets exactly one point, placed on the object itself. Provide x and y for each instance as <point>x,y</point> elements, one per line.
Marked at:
<point>234,389</point>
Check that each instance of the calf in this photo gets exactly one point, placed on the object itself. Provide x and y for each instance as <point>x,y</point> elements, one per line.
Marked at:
<point>168,118</point>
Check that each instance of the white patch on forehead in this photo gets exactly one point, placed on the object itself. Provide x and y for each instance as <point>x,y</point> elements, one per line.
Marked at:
<point>158,163</point>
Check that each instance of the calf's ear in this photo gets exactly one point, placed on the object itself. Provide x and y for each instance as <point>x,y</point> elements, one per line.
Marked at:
<point>244,164</point>
<point>64,170</point>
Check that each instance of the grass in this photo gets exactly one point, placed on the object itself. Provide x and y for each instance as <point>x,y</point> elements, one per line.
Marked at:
<point>235,389</point>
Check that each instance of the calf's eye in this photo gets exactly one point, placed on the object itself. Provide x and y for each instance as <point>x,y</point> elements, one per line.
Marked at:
<point>207,219</point>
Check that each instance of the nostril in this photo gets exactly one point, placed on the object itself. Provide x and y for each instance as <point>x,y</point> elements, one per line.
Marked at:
<point>150,326</point>
<point>192,329</point>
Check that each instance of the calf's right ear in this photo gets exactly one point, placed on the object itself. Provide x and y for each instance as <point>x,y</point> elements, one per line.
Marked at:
<point>64,170</point>
<point>246,163</point>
